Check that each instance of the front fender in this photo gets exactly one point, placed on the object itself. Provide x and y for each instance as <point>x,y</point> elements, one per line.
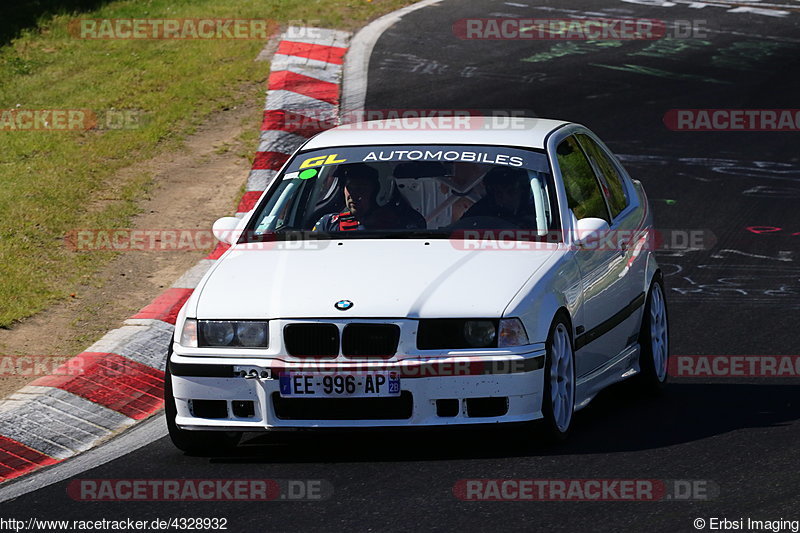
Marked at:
<point>556,285</point>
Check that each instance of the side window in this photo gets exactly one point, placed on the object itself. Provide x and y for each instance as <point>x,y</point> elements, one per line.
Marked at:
<point>583,191</point>
<point>609,175</point>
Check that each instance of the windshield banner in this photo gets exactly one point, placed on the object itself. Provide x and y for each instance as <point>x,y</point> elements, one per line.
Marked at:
<point>491,155</point>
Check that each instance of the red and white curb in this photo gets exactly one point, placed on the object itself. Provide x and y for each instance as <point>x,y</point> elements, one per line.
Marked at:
<point>306,77</point>
<point>121,383</point>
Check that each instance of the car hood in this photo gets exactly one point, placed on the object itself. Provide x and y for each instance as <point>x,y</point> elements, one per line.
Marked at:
<point>383,279</point>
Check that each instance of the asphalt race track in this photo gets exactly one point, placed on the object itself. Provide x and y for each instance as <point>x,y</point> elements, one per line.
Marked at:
<point>739,294</point>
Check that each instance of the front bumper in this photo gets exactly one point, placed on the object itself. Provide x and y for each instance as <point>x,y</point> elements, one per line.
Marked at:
<point>476,389</point>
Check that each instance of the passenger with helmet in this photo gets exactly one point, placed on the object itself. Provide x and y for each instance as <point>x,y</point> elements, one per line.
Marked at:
<point>361,187</point>
<point>508,197</point>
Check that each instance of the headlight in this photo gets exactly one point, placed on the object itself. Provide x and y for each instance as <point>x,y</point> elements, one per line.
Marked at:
<point>252,333</point>
<point>216,333</point>
<point>229,333</point>
<point>456,333</point>
<point>512,333</point>
<point>189,333</point>
<point>480,333</point>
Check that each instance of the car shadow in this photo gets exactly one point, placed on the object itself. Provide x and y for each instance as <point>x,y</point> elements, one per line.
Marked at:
<point>618,420</point>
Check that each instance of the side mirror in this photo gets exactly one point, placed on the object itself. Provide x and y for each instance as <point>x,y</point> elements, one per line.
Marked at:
<point>225,229</point>
<point>590,230</point>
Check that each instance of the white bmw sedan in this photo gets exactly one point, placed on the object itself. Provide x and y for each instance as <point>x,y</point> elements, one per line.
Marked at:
<point>405,277</point>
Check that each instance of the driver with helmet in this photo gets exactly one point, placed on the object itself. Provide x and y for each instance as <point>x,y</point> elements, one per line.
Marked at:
<point>508,197</point>
<point>361,187</point>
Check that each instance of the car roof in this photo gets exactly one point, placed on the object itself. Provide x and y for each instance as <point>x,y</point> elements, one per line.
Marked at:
<point>480,130</point>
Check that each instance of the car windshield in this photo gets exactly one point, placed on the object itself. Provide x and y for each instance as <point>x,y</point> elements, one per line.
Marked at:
<point>409,191</point>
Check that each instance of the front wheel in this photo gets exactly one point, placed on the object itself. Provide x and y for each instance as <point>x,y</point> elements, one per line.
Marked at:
<point>558,403</point>
<point>194,442</point>
<point>654,340</point>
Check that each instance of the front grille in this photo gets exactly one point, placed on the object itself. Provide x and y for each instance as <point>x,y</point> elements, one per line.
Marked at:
<point>395,408</point>
<point>311,340</point>
<point>370,340</point>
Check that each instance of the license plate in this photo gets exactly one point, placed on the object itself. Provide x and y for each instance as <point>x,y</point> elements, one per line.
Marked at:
<point>360,385</point>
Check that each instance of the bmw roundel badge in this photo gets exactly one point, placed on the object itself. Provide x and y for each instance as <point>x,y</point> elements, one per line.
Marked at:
<point>343,305</point>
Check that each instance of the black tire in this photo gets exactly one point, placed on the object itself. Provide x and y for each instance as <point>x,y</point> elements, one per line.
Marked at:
<point>653,376</point>
<point>553,432</point>
<point>194,442</point>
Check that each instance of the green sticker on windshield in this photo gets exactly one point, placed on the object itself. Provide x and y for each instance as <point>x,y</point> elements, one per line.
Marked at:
<point>308,173</point>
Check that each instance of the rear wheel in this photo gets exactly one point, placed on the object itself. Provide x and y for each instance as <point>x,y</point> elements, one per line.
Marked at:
<point>558,403</point>
<point>194,442</point>
<point>654,340</point>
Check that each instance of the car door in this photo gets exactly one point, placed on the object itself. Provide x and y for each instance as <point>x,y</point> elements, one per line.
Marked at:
<point>597,340</point>
<point>626,219</point>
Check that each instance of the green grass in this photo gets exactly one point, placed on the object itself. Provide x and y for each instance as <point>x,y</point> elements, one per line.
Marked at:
<point>53,182</point>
